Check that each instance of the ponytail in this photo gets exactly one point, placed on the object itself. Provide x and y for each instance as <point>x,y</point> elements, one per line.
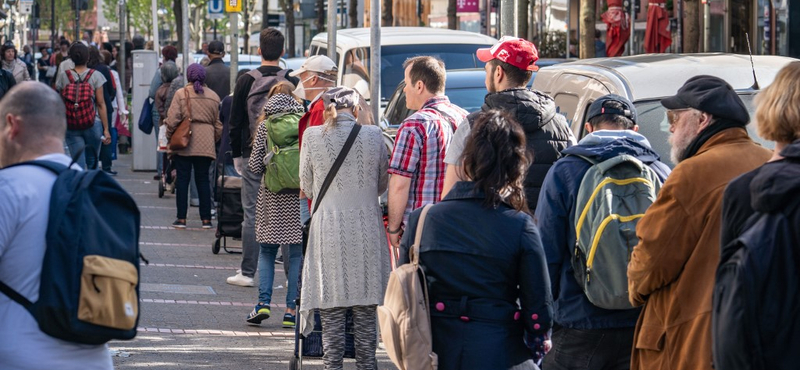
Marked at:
<point>330,115</point>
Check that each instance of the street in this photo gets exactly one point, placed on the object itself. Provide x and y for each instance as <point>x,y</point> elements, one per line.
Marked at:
<point>190,318</point>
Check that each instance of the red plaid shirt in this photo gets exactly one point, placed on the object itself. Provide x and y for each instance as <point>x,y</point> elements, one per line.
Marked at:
<point>419,150</point>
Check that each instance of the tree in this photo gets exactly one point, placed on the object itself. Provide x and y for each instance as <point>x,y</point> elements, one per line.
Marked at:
<point>387,16</point>
<point>65,17</point>
<point>691,26</point>
<point>321,16</point>
<point>452,17</point>
<point>264,14</point>
<point>288,10</point>
<point>588,18</point>
<point>522,18</point>
<point>352,13</point>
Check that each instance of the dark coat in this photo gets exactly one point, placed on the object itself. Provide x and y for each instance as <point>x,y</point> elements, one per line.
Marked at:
<point>479,263</point>
<point>218,77</point>
<point>547,132</point>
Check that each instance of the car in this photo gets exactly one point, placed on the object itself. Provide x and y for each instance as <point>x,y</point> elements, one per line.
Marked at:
<point>646,79</point>
<point>465,88</point>
<point>455,48</point>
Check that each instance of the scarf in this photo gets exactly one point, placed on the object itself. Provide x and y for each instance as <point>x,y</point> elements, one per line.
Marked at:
<point>720,125</point>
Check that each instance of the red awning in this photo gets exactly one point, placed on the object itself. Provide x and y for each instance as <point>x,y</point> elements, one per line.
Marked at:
<point>657,37</point>
<point>618,28</point>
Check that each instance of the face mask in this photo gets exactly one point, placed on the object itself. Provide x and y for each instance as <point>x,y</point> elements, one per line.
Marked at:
<point>300,90</point>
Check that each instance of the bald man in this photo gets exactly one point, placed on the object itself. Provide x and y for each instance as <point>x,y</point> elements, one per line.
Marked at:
<point>32,127</point>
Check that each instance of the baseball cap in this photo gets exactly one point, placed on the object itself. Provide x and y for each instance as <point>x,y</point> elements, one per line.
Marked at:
<point>317,63</point>
<point>600,106</point>
<point>518,52</point>
<point>711,95</point>
<point>216,47</point>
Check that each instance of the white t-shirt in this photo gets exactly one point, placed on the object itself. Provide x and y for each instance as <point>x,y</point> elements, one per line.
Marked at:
<point>25,193</point>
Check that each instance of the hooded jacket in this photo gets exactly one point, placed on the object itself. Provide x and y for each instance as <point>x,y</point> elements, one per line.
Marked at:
<point>546,132</point>
<point>555,217</point>
<point>672,269</point>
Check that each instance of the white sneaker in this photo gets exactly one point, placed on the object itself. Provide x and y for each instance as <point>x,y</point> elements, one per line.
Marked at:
<point>238,271</point>
<point>240,280</point>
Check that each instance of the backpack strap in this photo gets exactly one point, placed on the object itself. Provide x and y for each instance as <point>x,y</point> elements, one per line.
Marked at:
<point>70,77</point>
<point>413,254</point>
<point>15,296</point>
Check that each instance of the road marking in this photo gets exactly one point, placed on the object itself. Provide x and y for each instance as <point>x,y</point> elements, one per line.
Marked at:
<point>176,288</point>
<point>156,207</point>
<point>172,228</point>
<point>175,244</point>
<point>195,266</point>
<point>206,303</point>
<point>289,333</point>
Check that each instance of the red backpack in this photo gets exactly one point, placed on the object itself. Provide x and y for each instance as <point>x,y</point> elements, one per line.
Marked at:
<point>78,98</point>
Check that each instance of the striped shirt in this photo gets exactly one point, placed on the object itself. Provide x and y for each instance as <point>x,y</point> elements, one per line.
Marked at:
<point>420,147</point>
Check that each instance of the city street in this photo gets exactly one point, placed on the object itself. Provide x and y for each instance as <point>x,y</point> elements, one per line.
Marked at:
<point>190,318</point>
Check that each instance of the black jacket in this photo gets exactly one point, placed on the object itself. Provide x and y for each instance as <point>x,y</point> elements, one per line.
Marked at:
<point>241,142</point>
<point>218,78</point>
<point>547,132</point>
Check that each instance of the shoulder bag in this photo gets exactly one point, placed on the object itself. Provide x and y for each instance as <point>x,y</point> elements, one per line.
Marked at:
<point>329,179</point>
<point>183,134</point>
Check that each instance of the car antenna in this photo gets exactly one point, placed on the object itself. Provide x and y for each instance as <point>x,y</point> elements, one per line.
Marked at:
<point>750,51</point>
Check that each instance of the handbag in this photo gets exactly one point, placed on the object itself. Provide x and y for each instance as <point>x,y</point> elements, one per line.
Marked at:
<point>328,180</point>
<point>51,71</point>
<point>146,117</point>
<point>183,134</point>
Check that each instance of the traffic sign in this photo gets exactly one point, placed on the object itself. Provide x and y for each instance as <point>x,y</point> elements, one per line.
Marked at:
<point>25,6</point>
<point>233,6</point>
<point>216,9</point>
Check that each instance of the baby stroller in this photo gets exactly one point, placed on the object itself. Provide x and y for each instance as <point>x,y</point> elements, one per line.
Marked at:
<point>166,181</point>
<point>230,213</point>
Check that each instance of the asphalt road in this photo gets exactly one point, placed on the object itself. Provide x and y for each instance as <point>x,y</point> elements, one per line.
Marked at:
<point>190,318</point>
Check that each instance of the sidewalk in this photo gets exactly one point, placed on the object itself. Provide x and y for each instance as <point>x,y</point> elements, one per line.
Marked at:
<point>190,318</point>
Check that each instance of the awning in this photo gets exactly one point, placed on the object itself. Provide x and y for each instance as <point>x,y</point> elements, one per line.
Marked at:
<point>657,37</point>
<point>618,28</point>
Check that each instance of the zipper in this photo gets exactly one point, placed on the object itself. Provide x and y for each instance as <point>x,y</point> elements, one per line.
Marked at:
<point>603,183</point>
<point>596,238</point>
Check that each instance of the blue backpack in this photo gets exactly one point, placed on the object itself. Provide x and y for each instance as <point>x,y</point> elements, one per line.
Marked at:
<point>90,274</point>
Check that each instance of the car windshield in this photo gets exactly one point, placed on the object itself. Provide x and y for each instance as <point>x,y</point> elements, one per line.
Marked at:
<point>470,98</point>
<point>653,124</point>
<point>356,70</point>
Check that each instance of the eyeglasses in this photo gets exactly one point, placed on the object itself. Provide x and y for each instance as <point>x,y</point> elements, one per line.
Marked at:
<point>673,114</point>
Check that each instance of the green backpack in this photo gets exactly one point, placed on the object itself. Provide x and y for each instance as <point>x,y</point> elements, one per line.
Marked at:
<point>613,197</point>
<point>283,168</point>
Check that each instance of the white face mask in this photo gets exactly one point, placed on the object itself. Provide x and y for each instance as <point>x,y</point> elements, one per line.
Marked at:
<point>300,90</point>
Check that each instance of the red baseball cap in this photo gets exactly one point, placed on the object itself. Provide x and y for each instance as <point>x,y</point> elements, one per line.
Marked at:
<point>518,52</point>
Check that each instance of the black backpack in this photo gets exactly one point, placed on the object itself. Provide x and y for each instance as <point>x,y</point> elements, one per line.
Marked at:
<point>90,274</point>
<point>756,302</point>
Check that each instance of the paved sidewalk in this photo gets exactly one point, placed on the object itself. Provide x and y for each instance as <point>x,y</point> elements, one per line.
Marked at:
<point>190,318</point>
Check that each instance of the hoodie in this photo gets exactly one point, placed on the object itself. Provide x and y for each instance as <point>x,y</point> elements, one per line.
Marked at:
<point>555,217</point>
<point>546,132</point>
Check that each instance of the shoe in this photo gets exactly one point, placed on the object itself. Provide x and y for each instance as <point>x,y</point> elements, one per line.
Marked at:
<point>194,202</point>
<point>157,177</point>
<point>178,224</point>
<point>111,172</point>
<point>207,224</point>
<point>238,271</point>
<point>260,313</point>
<point>240,280</point>
<point>288,321</point>
<point>279,259</point>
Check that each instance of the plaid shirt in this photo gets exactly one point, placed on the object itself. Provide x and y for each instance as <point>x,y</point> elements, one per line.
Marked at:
<point>419,150</point>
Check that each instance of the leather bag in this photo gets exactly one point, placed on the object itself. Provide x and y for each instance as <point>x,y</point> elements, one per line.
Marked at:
<point>183,134</point>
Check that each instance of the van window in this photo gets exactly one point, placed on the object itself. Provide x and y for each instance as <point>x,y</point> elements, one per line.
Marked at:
<point>566,105</point>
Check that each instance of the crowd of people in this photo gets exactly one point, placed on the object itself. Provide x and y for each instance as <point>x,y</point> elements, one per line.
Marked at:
<point>521,268</point>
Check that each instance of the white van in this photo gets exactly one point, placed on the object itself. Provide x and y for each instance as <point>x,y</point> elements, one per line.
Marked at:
<point>645,80</point>
<point>455,48</point>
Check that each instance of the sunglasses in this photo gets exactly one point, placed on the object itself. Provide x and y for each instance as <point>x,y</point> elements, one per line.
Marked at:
<point>673,114</point>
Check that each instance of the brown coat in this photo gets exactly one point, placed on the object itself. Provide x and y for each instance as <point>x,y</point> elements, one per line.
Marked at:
<point>161,103</point>
<point>206,126</point>
<point>672,269</point>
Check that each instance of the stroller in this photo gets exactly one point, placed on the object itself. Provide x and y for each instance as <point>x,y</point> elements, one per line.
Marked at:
<point>166,181</point>
<point>230,213</point>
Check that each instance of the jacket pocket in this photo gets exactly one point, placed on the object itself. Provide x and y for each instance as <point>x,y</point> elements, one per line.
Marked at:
<point>651,338</point>
<point>108,293</point>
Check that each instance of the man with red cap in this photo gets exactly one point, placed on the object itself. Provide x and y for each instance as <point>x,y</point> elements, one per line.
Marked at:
<point>509,66</point>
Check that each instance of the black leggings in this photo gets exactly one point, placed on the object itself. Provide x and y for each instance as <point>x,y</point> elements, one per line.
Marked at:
<point>184,166</point>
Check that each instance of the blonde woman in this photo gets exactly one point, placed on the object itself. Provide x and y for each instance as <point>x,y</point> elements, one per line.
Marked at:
<point>347,260</point>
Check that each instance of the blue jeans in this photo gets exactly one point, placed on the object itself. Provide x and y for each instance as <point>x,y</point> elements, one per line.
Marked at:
<point>292,253</point>
<point>88,139</point>
<point>304,212</point>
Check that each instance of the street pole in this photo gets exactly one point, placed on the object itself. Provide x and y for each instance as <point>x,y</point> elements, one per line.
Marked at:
<point>234,21</point>
<point>332,29</point>
<point>215,29</point>
<point>375,59</point>
<point>507,18</point>
<point>156,28</point>
<point>53,25</point>
<point>633,27</point>
<point>680,26</point>
<point>77,20</point>
<point>185,42</point>
<point>706,26</point>
<point>121,59</point>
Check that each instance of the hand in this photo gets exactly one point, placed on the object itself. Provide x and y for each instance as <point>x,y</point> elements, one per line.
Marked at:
<point>394,239</point>
<point>106,137</point>
<point>548,345</point>
<point>238,165</point>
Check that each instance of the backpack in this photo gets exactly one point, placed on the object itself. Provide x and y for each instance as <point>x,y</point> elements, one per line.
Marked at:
<point>756,301</point>
<point>78,98</point>
<point>90,274</point>
<point>258,95</point>
<point>404,317</point>
<point>612,198</point>
<point>283,169</point>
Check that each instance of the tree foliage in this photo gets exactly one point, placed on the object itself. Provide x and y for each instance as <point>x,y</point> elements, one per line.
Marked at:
<point>65,16</point>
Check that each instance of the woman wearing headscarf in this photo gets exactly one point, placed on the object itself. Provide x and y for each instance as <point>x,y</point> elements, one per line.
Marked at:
<point>347,260</point>
<point>167,73</point>
<point>13,64</point>
<point>205,132</point>
<point>277,214</point>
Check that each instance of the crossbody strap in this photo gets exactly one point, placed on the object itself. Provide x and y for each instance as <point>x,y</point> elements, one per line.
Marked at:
<point>336,164</point>
<point>414,256</point>
<point>188,103</point>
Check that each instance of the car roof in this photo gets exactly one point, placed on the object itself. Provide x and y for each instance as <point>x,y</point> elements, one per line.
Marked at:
<point>651,76</point>
<point>360,37</point>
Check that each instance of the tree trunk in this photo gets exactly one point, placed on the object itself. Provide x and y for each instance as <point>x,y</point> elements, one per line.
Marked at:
<point>352,13</point>
<point>288,10</point>
<point>691,26</point>
<point>321,15</point>
<point>588,17</point>
<point>246,19</point>
<point>452,16</point>
<point>178,11</point>
<point>387,18</point>
<point>264,14</point>
<point>522,18</point>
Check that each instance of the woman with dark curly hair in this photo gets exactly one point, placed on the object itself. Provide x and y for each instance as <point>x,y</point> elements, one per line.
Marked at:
<point>483,258</point>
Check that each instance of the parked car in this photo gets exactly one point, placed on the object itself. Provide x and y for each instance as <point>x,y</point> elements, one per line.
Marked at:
<point>645,80</point>
<point>455,48</point>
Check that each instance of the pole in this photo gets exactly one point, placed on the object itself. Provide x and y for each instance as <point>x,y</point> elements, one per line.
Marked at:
<point>332,29</point>
<point>773,30</point>
<point>187,56</point>
<point>375,59</point>
<point>680,26</point>
<point>121,56</point>
<point>569,19</point>
<point>53,26</point>
<point>633,27</point>
<point>77,20</point>
<point>507,18</point>
<point>234,21</point>
<point>156,28</point>
<point>215,29</point>
<point>706,26</point>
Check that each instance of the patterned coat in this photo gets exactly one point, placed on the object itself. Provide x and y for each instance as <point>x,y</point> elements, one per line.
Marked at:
<point>347,261</point>
<point>206,126</point>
